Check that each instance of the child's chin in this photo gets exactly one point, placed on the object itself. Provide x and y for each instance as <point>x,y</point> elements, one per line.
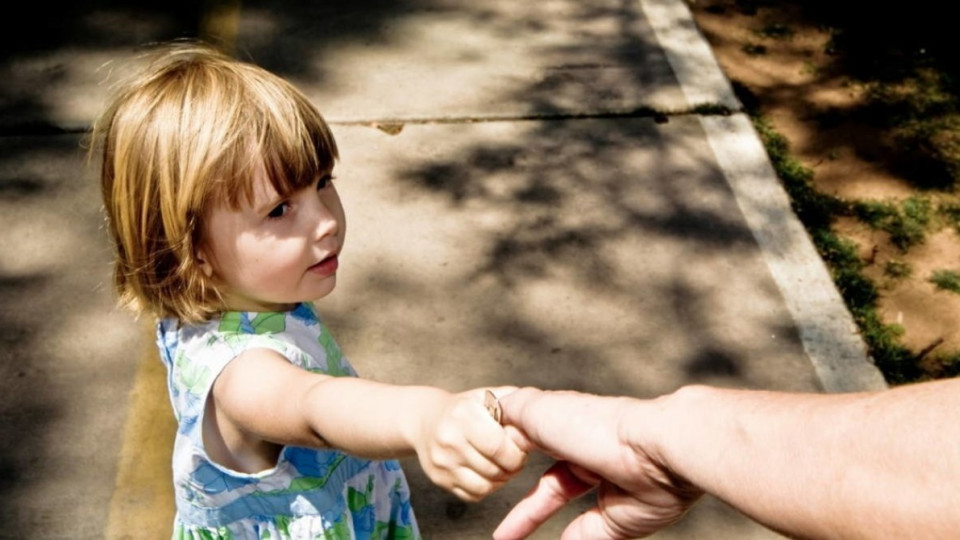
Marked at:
<point>320,295</point>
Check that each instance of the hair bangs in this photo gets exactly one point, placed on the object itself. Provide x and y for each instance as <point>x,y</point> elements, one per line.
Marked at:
<point>288,140</point>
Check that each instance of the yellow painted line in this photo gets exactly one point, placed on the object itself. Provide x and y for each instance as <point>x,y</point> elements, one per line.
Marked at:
<point>142,505</point>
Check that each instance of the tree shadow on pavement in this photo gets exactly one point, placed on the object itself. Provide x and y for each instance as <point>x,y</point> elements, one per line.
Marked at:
<point>624,222</point>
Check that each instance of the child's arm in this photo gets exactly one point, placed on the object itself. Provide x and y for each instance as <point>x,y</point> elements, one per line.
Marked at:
<point>261,399</point>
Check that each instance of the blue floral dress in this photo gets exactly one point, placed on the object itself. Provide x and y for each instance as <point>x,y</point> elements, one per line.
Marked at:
<point>311,493</point>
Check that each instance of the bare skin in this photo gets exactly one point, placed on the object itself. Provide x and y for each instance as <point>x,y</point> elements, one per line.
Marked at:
<point>865,465</point>
<point>261,402</point>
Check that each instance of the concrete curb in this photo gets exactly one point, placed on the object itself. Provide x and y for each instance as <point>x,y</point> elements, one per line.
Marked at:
<point>827,329</point>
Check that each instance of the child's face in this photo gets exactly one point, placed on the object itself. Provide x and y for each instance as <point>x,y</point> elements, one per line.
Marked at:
<point>273,252</point>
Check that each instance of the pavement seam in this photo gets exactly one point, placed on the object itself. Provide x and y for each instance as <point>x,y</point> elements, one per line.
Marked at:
<point>702,109</point>
<point>708,109</point>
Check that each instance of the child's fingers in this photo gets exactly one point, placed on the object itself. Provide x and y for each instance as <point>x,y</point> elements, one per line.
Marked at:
<point>498,445</point>
<point>503,446</point>
<point>483,466</point>
<point>519,439</point>
<point>472,487</point>
<point>471,440</point>
<point>474,447</point>
<point>505,452</point>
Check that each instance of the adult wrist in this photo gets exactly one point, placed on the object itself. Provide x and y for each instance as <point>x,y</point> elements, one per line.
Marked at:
<point>672,429</point>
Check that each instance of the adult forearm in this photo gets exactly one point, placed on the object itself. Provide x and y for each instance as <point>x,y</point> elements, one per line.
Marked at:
<point>880,465</point>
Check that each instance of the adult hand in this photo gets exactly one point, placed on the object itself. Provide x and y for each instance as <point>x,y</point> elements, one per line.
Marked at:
<point>599,442</point>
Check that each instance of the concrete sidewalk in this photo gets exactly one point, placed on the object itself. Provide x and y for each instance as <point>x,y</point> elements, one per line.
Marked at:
<point>533,198</point>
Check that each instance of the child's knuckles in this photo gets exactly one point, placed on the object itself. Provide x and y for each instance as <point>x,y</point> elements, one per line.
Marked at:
<point>508,456</point>
<point>476,483</point>
<point>467,497</point>
<point>442,459</point>
<point>440,477</point>
<point>449,437</point>
<point>512,467</point>
<point>466,405</point>
<point>516,460</point>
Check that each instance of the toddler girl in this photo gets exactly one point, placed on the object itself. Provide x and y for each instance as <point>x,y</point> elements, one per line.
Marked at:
<point>217,185</point>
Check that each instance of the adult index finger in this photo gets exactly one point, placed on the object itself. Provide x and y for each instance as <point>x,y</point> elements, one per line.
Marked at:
<point>560,484</point>
<point>572,426</point>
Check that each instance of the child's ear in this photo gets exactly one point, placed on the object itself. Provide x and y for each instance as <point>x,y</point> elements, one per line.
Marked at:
<point>204,263</point>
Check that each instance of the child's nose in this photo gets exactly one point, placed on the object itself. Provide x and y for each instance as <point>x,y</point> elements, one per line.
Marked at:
<point>324,220</point>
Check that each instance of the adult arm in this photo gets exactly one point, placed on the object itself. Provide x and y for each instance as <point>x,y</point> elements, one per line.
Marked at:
<point>865,465</point>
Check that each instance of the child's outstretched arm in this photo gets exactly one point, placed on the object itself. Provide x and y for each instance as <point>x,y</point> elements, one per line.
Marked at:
<point>260,401</point>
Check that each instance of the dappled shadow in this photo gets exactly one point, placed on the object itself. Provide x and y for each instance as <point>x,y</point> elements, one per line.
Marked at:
<point>896,41</point>
<point>562,165</point>
<point>61,374</point>
<point>906,57</point>
<point>65,373</point>
<point>285,36</point>
<point>44,45</point>
<point>653,276</point>
<point>615,260</point>
<point>710,361</point>
<point>58,63</point>
<point>533,181</point>
<point>26,408</point>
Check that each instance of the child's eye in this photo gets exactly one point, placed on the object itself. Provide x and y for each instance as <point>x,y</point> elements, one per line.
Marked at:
<point>324,181</point>
<point>279,211</point>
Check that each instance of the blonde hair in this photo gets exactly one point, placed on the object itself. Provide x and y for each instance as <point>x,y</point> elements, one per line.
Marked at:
<point>188,131</point>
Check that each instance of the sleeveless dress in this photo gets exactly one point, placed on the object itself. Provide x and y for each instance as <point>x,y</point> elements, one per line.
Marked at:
<point>310,493</point>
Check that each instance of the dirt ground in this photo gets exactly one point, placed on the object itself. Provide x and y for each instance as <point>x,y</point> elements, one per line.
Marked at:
<point>795,80</point>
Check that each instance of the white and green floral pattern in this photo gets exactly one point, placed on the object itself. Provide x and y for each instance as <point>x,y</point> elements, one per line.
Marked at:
<point>310,493</point>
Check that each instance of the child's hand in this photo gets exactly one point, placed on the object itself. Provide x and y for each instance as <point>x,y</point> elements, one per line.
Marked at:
<point>464,450</point>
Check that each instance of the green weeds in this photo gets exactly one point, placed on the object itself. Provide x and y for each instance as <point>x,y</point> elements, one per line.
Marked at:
<point>897,269</point>
<point>904,62</point>
<point>950,215</point>
<point>817,211</point>
<point>947,280</point>
<point>906,223</point>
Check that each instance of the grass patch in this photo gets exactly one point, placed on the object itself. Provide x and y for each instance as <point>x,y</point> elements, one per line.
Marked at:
<point>906,61</point>
<point>906,223</point>
<point>896,362</point>
<point>712,109</point>
<point>945,365</point>
<point>919,113</point>
<point>897,269</point>
<point>817,212</point>
<point>946,280</point>
<point>950,215</point>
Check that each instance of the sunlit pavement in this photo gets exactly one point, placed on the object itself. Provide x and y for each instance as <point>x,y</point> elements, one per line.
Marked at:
<point>537,194</point>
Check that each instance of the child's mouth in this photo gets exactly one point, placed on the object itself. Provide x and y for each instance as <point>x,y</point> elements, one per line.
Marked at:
<point>326,267</point>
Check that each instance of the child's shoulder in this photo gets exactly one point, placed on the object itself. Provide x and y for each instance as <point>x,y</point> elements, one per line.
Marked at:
<point>246,322</point>
<point>297,334</point>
